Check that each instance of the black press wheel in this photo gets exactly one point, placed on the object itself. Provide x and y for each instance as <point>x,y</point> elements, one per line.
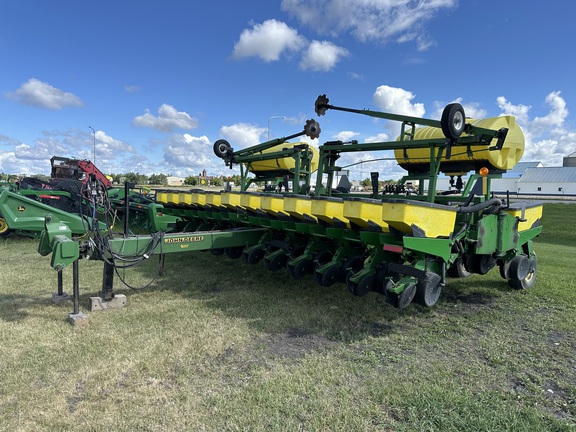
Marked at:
<point>379,284</point>
<point>322,257</point>
<point>361,288</point>
<point>234,252</point>
<point>222,148</point>
<point>503,267</point>
<point>350,266</point>
<point>406,296</point>
<point>327,278</point>
<point>300,269</point>
<point>402,300</point>
<point>428,290</point>
<point>458,269</point>
<point>453,121</point>
<point>253,256</point>
<point>522,272</point>
<point>276,262</point>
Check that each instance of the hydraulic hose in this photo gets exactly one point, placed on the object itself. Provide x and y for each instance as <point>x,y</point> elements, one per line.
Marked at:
<point>480,206</point>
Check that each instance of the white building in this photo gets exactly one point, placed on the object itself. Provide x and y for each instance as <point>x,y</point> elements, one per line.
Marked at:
<point>509,180</point>
<point>548,181</point>
<point>175,181</point>
<point>529,178</point>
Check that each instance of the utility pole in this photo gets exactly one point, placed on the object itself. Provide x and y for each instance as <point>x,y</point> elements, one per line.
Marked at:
<point>94,155</point>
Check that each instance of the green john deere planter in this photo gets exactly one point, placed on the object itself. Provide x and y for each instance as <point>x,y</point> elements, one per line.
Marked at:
<point>403,241</point>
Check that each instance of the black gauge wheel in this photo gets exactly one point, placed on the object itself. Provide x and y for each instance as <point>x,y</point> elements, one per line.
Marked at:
<point>453,121</point>
<point>428,290</point>
<point>222,148</point>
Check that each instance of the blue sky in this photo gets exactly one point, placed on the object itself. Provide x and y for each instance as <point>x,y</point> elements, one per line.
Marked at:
<point>159,82</point>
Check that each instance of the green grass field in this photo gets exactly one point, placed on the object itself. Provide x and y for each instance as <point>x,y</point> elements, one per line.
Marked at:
<point>217,345</point>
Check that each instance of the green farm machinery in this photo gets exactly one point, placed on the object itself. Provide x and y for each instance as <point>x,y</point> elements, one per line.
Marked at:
<point>77,188</point>
<point>400,241</point>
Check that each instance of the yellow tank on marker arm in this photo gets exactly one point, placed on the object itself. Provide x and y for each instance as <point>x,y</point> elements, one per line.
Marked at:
<point>460,161</point>
<point>282,164</point>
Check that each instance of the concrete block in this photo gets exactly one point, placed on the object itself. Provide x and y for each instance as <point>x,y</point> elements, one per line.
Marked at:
<point>61,299</point>
<point>99,304</point>
<point>78,319</point>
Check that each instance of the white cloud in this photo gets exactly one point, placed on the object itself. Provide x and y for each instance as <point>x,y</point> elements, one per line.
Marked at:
<point>189,155</point>
<point>30,153</point>
<point>381,137</point>
<point>423,43</point>
<point>519,111</point>
<point>167,121</point>
<point>313,142</point>
<point>375,20</point>
<point>35,158</point>
<point>132,88</point>
<point>397,101</point>
<point>268,41</point>
<point>558,113</point>
<point>345,136</point>
<point>471,109</point>
<point>546,139</point>
<point>11,163</point>
<point>42,95</point>
<point>361,164</point>
<point>242,135</point>
<point>356,76</point>
<point>8,141</point>
<point>108,147</point>
<point>322,56</point>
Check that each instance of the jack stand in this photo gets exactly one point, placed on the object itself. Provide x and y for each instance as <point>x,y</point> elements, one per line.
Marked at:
<point>60,297</point>
<point>107,299</point>
<point>76,317</point>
